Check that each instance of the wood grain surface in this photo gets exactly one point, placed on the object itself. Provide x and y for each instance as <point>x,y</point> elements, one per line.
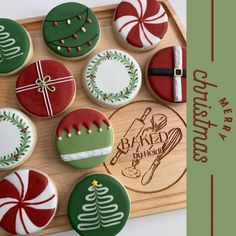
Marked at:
<point>164,187</point>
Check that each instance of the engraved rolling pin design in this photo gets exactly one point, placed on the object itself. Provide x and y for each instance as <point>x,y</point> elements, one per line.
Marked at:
<point>136,127</point>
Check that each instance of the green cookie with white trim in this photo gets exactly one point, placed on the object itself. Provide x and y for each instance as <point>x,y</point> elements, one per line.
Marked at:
<point>99,205</point>
<point>84,138</point>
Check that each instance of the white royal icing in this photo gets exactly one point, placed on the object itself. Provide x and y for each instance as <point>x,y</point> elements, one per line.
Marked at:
<point>11,138</point>
<point>178,61</point>
<point>112,78</point>
<point>100,211</point>
<point>14,140</point>
<point>86,154</point>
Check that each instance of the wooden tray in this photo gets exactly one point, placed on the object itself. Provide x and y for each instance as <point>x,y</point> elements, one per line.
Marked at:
<point>167,188</point>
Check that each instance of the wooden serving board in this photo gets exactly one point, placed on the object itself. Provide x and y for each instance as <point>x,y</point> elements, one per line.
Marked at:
<point>165,190</point>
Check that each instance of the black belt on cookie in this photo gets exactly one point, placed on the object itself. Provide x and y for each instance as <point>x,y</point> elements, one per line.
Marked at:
<point>167,72</point>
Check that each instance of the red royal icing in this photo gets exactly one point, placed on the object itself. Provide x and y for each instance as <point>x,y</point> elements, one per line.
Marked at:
<point>162,86</point>
<point>81,117</point>
<point>49,103</point>
<point>8,190</point>
<point>25,194</point>
<point>143,20</point>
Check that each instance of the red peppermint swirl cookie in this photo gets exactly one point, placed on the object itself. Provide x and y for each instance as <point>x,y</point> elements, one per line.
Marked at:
<point>28,202</point>
<point>45,88</point>
<point>140,24</point>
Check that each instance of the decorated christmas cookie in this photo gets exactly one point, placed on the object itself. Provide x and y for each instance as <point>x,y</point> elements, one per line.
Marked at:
<point>17,138</point>
<point>84,138</point>
<point>71,30</point>
<point>112,78</point>
<point>140,24</point>
<point>28,202</point>
<point>166,74</point>
<point>15,47</point>
<point>99,205</point>
<point>45,88</point>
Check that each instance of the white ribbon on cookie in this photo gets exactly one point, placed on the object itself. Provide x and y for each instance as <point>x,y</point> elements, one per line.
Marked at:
<point>178,63</point>
<point>86,154</point>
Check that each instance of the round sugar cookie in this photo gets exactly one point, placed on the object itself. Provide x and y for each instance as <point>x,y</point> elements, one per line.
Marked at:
<point>166,75</point>
<point>140,24</point>
<point>71,30</point>
<point>16,48</point>
<point>84,138</point>
<point>98,205</point>
<point>45,88</point>
<point>28,202</point>
<point>112,78</point>
<point>18,138</point>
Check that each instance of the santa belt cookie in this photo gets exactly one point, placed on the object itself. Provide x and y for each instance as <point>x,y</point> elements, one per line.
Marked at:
<point>177,73</point>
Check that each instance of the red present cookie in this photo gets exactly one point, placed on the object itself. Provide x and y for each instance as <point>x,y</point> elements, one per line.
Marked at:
<point>45,88</point>
<point>166,74</point>
<point>28,202</point>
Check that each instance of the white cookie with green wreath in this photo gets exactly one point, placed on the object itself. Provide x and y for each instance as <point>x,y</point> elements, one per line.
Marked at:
<point>112,78</point>
<point>18,138</point>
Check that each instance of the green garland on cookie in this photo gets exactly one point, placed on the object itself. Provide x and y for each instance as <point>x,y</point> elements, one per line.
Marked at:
<point>25,139</point>
<point>112,97</point>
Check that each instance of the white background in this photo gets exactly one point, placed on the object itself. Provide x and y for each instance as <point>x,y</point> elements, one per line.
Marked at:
<point>164,224</point>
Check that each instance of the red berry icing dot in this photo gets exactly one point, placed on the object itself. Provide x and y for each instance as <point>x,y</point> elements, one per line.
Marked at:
<point>89,21</point>
<point>75,35</point>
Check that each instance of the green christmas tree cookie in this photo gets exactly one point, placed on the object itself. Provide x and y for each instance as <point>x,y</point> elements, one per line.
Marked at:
<point>71,30</point>
<point>84,138</point>
<point>99,205</point>
<point>15,47</point>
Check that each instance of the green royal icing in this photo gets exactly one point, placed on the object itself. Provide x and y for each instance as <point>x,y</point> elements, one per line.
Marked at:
<point>64,31</point>
<point>102,210</point>
<point>14,46</point>
<point>85,142</point>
